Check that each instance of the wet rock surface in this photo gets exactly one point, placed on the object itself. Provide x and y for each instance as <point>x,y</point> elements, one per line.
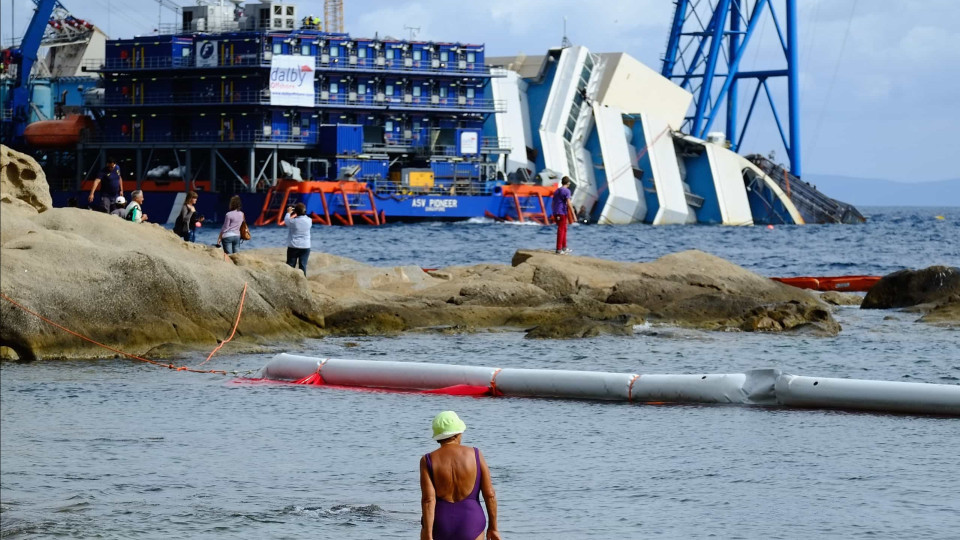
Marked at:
<point>911,287</point>
<point>933,292</point>
<point>836,298</point>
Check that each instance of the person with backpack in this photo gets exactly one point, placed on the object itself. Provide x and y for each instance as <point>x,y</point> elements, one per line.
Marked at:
<point>134,210</point>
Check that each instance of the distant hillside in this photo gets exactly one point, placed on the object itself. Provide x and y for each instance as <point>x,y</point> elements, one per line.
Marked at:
<point>877,192</point>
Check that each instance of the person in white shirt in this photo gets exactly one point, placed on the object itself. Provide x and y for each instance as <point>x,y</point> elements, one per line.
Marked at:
<point>298,236</point>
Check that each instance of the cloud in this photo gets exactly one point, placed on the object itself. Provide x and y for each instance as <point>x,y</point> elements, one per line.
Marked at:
<point>929,44</point>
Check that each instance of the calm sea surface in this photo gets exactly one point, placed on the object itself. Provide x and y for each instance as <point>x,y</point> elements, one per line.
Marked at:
<point>118,449</point>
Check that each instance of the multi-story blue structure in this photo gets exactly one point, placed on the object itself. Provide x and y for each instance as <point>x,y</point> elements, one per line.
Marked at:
<point>209,102</point>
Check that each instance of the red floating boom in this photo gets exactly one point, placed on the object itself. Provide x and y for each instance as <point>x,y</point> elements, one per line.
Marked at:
<point>837,283</point>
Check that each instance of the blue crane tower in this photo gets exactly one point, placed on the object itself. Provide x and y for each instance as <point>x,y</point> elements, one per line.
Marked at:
<point>23,57</point>
<point>707,44</point>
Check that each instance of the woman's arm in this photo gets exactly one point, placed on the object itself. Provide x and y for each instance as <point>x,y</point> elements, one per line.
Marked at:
<point>428,501</point>
<point>490,499</point>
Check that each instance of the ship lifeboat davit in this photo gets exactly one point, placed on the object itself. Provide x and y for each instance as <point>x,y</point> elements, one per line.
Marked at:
<point>65,133</point>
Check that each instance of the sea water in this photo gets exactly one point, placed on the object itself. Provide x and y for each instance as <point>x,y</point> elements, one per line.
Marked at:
<point>121,449</point>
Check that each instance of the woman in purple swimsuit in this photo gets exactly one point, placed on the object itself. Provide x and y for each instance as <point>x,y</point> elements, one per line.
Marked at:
<point>451,479</point>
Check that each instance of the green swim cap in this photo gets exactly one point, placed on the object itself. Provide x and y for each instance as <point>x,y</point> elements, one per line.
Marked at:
<point>446,425</point>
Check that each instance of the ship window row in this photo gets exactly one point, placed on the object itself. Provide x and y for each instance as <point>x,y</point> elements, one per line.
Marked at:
<point>362,50</point>
<point>206,85</point>
<point>235,52</point>
<point>416,55</point>
<point>284,126</point>
<point>165,46</point>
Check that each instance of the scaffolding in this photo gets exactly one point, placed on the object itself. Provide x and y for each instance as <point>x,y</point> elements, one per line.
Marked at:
<point>333,16</point>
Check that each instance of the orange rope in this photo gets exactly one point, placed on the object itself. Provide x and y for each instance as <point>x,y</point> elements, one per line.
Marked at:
<point>236,323</point>
<point>493,383</point>
<point>647,147</point>
<point>640,154</point>
<point>128,355</point>
<point>630,388</point>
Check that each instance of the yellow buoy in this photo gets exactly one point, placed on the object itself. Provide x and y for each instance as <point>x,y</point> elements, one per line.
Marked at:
<point>941,217</point>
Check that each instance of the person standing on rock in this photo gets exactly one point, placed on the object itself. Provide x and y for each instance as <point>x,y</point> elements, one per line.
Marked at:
<point>230,231</point>
<point>134,210</point>
<point>111,186</point>
<point>184,225</point>
<point>298,236</point>
<point>561,205</point>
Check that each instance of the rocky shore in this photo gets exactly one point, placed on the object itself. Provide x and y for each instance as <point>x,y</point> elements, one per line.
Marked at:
<point>140,288</point>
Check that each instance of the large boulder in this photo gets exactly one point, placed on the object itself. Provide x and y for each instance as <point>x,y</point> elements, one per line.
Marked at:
<point>913,287</point>
<point>136,287</point>
<point>690,288</point>
<point>23,181</point>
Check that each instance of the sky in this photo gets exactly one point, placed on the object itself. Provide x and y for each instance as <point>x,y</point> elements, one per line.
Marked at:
<point>878,78</point>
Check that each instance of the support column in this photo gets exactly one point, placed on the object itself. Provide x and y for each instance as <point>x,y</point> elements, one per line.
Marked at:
<point>793,82</point>
<point>80,169</point>
<point>188,175</point>
<point>716,41</point>
<point>139,168</point>
<point>252,182</point>
<point>274,157</point>
<point>673,43</point>
<point>732,95</point>
<point>213,170</point>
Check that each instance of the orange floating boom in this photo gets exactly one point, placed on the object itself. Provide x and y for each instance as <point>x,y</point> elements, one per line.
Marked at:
<point>834,283</point>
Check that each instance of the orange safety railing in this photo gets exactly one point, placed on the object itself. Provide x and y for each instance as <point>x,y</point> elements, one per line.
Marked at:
<point>345,189</point>
<point>285,189</point>
<point>516,192</point>
<point>271,213</point>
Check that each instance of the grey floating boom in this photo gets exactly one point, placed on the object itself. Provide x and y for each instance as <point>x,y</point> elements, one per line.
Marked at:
<point>755,387</point>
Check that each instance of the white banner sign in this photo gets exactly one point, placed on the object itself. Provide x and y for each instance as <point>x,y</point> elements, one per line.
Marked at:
<point>207,54</point>
<point>469,142</point>
<point>291,80</point>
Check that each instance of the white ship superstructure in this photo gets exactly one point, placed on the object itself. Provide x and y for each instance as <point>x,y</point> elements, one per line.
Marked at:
<point>612,124</point>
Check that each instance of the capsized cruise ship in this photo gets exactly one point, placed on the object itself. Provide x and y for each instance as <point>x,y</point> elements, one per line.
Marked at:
<point>611,124</point>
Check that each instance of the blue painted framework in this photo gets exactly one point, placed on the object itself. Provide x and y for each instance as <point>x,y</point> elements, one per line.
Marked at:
<point>699,58</point>
<point>26,55</point>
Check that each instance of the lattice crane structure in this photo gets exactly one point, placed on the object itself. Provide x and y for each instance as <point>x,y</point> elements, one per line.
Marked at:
<point>707,44</point>
<point>333,16</point>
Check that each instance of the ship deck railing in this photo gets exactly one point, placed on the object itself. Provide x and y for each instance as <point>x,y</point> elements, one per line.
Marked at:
<point>488,145</point>
<point>336,64</point>
<point>441,187</point>
<point>321,99</point>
